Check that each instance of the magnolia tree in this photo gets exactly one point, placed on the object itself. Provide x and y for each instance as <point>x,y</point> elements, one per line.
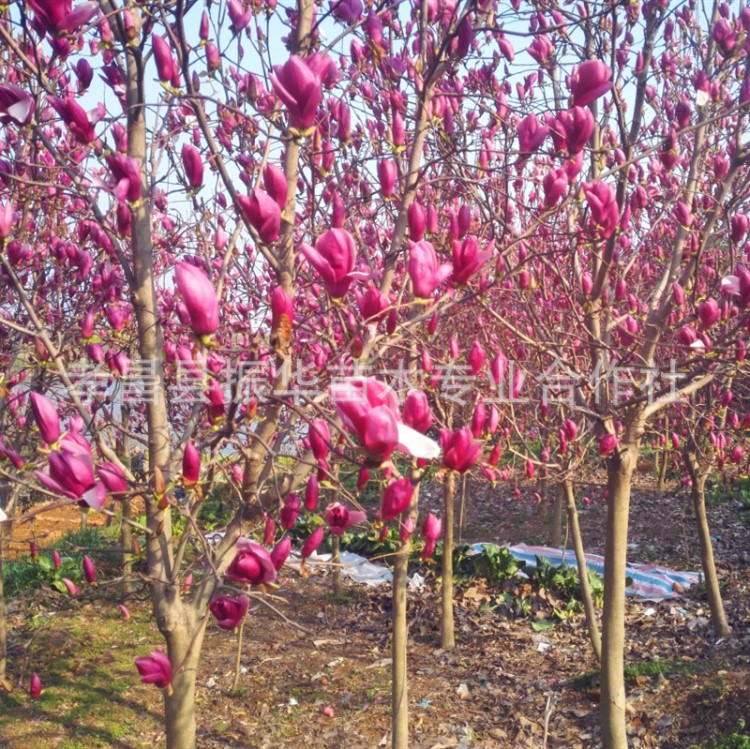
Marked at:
<point>234,234</point>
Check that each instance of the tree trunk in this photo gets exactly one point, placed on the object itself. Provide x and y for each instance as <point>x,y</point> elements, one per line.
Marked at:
<point>338,588</point>
<point>718,615</point>
<point>399,682</point>
<point>613,701</point>
<point>556,534</point>
<point>463,512</point>
<point>583,572</point>
<point>179,701</point>
<point>447,639</point>
<point>662,474</point>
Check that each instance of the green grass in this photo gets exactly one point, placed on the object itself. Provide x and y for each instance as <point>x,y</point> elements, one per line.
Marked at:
<point>731,741</point>
<point>661,667</point>
<point>92,696</point>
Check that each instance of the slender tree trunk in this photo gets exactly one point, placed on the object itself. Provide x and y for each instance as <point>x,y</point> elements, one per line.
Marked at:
<point>718,615</point>
<point>583,572</point>
<point>338,588</point>
<point>613,700</point>
<point>399,681</point>
<point>464,509</point>
<point>447,639</point>
<point>662,474</point>
<point>556,534</point>
<point>179,701</point>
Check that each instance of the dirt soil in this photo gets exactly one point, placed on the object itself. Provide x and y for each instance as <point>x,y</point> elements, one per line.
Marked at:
<point>505,686</point>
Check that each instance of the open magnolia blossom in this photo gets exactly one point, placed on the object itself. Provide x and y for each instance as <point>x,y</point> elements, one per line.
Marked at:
<point>370,409</point>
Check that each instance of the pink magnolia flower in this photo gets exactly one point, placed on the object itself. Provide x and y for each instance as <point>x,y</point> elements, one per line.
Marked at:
<point>555,184</point>
<point>461,452</point>
<point>155,669</point>
<point>531,134</point>
<point>372,304</point>
<point>263,213</point>
<point>193,165</point>
<point>333,258</point>
<point>476,358</point>
<point>46,417</point>
<point>252,564</point>
<point>200,298</point>
<point>76,118</point>
<point>58,16</point>
<point>417,218</point>
<point>165,65</point>
<point>572,129</point>
<point>127,177</point>
<point>709,313</point>
<point>56,559</point>
<point>347,11</point>
<point>370,410</point>
<point>590,81</point>
<point>416,411</point>
<point>467,259</point>
<point>275,183</point>
<point>191,464</point>
<point>70,586</point>
<point>71,472</point>
<point>423,268</point>
<point>311,493</point>
<point>16,105</point>
<point>239,15</point>
<point>387,175</point>
<point>604,214</point>
<point>35,686</point>
<point>431,529</point>
<point>290,511</point>
<point>7,219</point>
<point>339,517</point>
<point>396,498</point>
<point>89,571</point>
<point>607,444</point>
<point>313,541</point>
<point>229,610</point>
<point>124,611</point>
<point>299,85</point>
<point>320,438</point>
<point>280,552</point>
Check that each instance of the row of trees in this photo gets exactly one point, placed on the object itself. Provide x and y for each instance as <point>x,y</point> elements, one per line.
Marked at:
<point>234,237</point>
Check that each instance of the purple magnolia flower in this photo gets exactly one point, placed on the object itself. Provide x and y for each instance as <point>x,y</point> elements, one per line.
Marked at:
<point>200,298</point>
<point>333,258</point>
<point>251,565</point>
<point>299,85</point>
<point>229,610</point>
<point>423,268</point>
<point>46,417</point>
<point>16,105</point>
<point>263,213</point>
<point>339,517</point>
<point>461,452</point>
<point>591,80</point>
<point>155,669</point>
<point>396,498</point>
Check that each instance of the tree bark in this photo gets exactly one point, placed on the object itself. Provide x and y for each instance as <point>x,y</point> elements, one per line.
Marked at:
<point>662,473</point>
<point>583,572</point>
<point>464,509</point>
<point>556,534</point>
<point>179,701</point>
<point>399,680</point>
<point>338,588</point>
<point>447,638</point>
<point>613,700</point>
<point>698,495</point>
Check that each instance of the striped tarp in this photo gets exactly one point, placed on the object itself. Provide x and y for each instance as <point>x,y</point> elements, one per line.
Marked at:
<point>649,583</point>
